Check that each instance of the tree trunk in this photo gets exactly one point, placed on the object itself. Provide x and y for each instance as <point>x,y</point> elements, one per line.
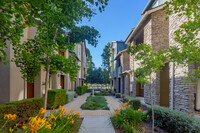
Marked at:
<point>46,84</point>
<point>152,105</point>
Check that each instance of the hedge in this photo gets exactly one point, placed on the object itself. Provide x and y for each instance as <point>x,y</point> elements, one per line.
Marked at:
<point>23,109</point>
<point>175,121</point>
<point>70,96</point>
<point>118,95</point>
<point>112,93</point>
<point>134,102</point>
<point>55,98</point>
<point>81,90</point>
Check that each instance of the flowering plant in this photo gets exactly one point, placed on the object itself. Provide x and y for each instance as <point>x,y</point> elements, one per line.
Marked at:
<point>56,121</point>
<point>127,118</point>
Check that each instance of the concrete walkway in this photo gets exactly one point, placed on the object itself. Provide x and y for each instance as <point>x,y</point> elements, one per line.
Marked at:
<point>96,124</point>
<point>95,121</point>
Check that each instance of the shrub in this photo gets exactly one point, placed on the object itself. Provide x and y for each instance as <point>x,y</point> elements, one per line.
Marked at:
<point>118,95</point>
<point>101,93</point>
<point>127,118</point>
<point>55,98</point>
<point>175,121</point>
<point>104,93</point>
<point>70,96</point>
<point>112,93</point>
<point>81,90</point>
<point>98,94</point>
<point>134,102</point>
<point>23,109</point>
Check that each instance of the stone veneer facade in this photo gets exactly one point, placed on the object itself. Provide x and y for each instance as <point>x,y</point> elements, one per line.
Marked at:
<point>156,33</point>
<point>159,32</point>
<point>182,96</point>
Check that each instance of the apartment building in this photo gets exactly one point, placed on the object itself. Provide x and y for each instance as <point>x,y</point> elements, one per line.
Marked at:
<point>123,62</point>
<point>80,51</point>
<point>115,73</point>
<point>13,87</point>
<point>168,87</point>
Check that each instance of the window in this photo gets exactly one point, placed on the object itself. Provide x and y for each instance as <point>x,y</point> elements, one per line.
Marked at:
<point>155,4</point>
<point>158,3</point>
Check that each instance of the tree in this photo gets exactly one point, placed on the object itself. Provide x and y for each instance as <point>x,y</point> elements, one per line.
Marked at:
<point>79,34</point>
<point>106,63</point>
<point>150,63</point>
<point>15,15</point>
<point>90,67</point>
<point>106,56</point>
<point>57,16</point>
<point>187,36</point>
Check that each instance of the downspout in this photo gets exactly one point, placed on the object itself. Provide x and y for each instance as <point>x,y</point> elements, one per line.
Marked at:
<point>172,87</point>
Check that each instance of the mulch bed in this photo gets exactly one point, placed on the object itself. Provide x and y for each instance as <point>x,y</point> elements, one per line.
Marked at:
<point>148,129</point>
<point>197,112</point>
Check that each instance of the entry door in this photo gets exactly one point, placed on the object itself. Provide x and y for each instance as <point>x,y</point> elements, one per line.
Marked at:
<point>62,81</point>
<point>30,90</point>
<point>164,86</point>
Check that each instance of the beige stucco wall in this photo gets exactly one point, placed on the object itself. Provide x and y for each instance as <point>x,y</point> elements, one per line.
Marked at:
<point>55,81</point>
<point>5,79</point>
<point>39,83</point>
<point>16,81</point>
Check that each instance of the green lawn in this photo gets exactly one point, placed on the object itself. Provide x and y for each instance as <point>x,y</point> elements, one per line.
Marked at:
<point>95,103</point>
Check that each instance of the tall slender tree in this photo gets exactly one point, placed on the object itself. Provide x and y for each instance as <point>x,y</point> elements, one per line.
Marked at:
<point>150,63</point>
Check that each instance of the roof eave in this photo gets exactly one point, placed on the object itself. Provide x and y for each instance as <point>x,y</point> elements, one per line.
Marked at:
<point>141,21</point>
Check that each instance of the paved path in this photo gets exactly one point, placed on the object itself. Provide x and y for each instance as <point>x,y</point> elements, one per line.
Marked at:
<point>95,121</point>
<point>96,124</point>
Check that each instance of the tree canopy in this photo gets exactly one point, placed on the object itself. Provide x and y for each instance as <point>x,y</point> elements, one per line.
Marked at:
<point>188,35</point>
<point>52,19</point>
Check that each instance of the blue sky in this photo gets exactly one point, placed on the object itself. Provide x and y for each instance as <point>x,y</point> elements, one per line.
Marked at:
<point>114,24</point>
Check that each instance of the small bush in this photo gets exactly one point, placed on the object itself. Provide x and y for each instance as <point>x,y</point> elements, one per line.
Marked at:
<point>101,93</point>
<point>98,94</point>
<point>128,119</point>
<point>134,102</point>
<point>23,109</point>
<point>55,98</point>
<point>118,95</point>
<point>81,90</point>
<point>112,93</point>
<point>104,93</point>
<point>175,121</point>
<point>70,96</point>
